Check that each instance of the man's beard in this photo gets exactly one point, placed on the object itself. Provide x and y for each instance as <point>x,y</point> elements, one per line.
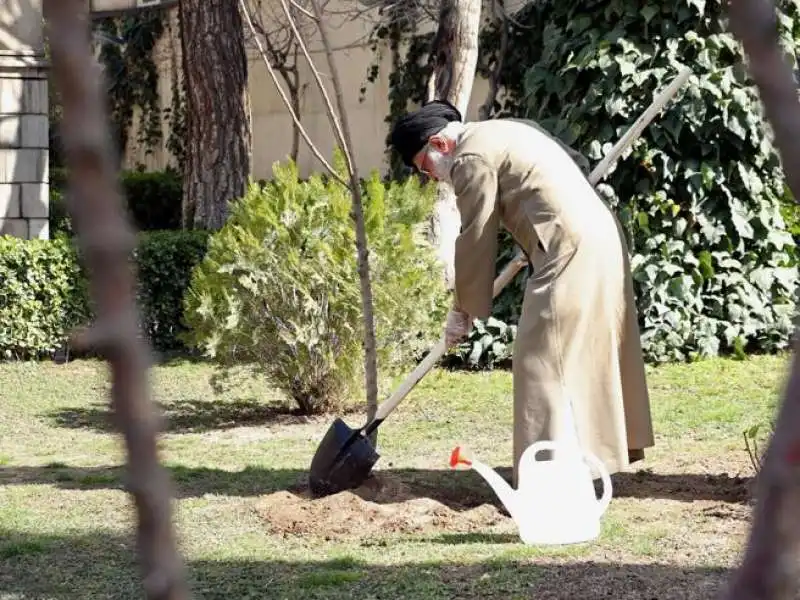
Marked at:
<point>440,165</point>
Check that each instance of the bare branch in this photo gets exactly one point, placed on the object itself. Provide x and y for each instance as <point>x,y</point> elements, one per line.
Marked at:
<point>512,20</point>
<point>107,240</point>
<point>328,104</point>
<point>307,13</point>
<point>286,101</point>
<point>769,569</point>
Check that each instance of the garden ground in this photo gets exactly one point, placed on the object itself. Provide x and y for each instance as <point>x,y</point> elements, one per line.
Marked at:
<point>238,460</point>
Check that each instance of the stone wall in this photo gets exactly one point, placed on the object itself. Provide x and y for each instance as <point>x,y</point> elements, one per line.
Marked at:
<point>24,165</point>
<point>24,127</point>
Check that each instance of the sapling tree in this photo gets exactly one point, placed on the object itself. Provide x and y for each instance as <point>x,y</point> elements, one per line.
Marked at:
<point>339,123</point>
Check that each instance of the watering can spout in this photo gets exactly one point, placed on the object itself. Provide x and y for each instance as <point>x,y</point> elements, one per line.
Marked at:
<point>508,495</point>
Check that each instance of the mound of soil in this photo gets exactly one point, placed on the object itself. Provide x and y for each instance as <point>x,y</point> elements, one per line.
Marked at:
<point>382,505</point>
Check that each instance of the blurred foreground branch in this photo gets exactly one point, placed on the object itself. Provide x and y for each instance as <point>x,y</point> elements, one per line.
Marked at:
<point>106,241</point>
<point>771,563</point>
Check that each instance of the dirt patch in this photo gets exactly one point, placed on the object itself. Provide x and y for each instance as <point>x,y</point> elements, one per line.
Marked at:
<point>382,505</point>
<point>686,487</point>
<point>729,512</point>
<point>408,502</point>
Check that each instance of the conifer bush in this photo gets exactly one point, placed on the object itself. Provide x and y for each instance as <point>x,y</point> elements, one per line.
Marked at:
<point>279,291</point>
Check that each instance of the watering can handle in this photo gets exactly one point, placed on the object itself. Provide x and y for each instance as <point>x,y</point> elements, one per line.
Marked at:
<point>519,260</point>
<point>605,499</point>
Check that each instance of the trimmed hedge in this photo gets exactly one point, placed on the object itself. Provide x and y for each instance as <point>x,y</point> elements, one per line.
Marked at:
<point>42,296</point>
<point>153,199</point>
<point>44,292</point>
<point>165,260</point>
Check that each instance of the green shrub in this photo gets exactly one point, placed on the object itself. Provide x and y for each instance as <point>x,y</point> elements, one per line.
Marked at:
<point>489,345</point>
<point>59,220</point>
<point>165,260</point>
<point>790,210</point>
<point>44,294</point>
<point>279,287</point>
<point>153,199</point>
<point>700,193</point>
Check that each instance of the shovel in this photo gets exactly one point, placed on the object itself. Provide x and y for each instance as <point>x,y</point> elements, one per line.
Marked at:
<point>345,456</point>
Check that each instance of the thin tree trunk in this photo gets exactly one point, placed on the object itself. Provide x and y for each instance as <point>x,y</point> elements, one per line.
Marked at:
<point>293,83</point>
<point>219,139</point>
<point>187,200</point>
<point>370,346</point>
<point>486,109</point>
<point>106,240</point>
<point>770,568</point>
<point>454,56</point>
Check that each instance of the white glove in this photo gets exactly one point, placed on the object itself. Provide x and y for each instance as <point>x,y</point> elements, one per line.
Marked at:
<point>457,328</point>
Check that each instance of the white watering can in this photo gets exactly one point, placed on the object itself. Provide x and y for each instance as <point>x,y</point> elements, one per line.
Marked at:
<point>555,501</point>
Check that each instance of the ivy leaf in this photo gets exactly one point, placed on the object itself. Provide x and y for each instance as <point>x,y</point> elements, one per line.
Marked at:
<point>741,220</point>
<point>648,12</point>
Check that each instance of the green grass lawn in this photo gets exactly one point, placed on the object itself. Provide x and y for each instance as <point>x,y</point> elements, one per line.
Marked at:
<point>418,531</point>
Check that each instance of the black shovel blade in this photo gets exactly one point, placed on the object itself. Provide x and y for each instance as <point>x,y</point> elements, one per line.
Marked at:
<point>343,460</point>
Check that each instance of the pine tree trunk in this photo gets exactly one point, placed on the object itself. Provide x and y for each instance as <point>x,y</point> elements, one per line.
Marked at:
<point>218,138</point>
<point>454,56</point>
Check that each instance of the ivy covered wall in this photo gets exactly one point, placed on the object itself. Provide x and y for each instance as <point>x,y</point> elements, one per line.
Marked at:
<point>700,195</point>
<point>125,47</point>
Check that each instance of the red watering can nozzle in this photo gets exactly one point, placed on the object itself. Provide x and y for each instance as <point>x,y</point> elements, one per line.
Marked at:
<point>456,458</point>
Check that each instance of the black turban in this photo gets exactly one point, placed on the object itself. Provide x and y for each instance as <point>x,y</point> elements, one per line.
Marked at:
<point>411,132</point>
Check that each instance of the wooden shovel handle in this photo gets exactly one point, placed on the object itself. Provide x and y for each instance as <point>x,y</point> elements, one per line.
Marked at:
<point>515,264</point>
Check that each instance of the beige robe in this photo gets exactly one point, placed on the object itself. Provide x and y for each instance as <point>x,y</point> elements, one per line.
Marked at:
<point>578,335</point>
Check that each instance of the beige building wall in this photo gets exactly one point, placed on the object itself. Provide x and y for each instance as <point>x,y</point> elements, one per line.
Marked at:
<point>272,123</point>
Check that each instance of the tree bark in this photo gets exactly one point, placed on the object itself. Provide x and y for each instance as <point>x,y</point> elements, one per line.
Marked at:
<point>292,78</point>
<point>770,567</point>
<point>218,139</point>
<point>106,241</point>
<point>487,108</point>
<point>454,56</point>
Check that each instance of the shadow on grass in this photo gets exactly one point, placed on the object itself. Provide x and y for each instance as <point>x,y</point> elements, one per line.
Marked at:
<point>187,416</point>
<point>459,490</point>
<point>179,358</point>
<point>102,565</point>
